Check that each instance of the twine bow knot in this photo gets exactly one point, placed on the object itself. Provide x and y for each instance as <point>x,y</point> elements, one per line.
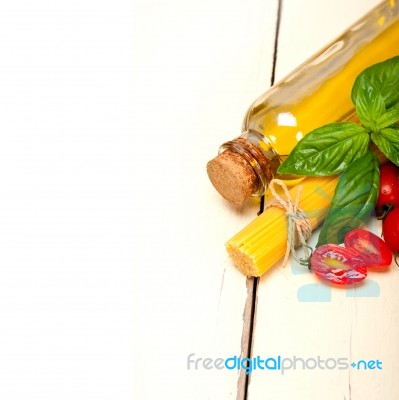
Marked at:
<point>299,228</point>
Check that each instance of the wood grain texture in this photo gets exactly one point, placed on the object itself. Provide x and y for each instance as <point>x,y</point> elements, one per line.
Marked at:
<point>199,66</point>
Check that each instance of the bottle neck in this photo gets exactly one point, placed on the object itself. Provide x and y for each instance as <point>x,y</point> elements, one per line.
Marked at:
<point>248,162</point>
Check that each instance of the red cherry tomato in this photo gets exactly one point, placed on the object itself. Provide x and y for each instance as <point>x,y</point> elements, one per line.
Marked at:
<point>338,265</point>
<point>388,197</point>
<point>390,230</point>
<point>372,249</point>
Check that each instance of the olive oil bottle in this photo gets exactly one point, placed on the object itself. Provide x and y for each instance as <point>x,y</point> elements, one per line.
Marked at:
<point>314,94</point>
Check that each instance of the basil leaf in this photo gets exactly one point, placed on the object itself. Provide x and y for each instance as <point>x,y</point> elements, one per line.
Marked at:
<point>384,76</point>
<point>387,141</point>
<point>370,104</point>
<point>354,199</point>
<point>327,150</point>
<point>387,119</point>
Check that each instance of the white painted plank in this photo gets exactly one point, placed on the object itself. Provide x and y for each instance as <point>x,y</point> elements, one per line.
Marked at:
<point>105,206</point>
<point>199,65</point>
<point>297,320</point>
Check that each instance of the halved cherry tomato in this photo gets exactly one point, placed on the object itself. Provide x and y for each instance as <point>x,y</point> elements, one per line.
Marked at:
<point>390,230</point>
<point>388,197</point>
<point>374,251</point>
<point>338,265</point>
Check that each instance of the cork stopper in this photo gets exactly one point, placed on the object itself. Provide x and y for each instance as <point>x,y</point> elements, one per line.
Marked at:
<point>233,177</point>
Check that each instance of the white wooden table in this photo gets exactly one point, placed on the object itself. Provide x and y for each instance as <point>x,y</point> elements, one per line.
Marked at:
<point>201,65</point>
<point>115,284</point>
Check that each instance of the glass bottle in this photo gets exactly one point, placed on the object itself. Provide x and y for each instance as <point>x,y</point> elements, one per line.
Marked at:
<point>314,94</point>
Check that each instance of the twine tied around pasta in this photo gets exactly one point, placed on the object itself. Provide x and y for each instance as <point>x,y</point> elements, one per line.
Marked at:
<point>299,228</point>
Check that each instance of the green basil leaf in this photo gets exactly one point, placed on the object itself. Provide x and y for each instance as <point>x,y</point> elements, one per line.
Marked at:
<point>384,76</point>
<point>354,199</point>
<point>387,119</point>
<point>370,104</point>
<point>327,150</point>
<point>387,141</point>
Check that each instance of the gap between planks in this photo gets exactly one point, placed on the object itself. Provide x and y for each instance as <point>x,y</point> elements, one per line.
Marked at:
<point>249,315</point>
